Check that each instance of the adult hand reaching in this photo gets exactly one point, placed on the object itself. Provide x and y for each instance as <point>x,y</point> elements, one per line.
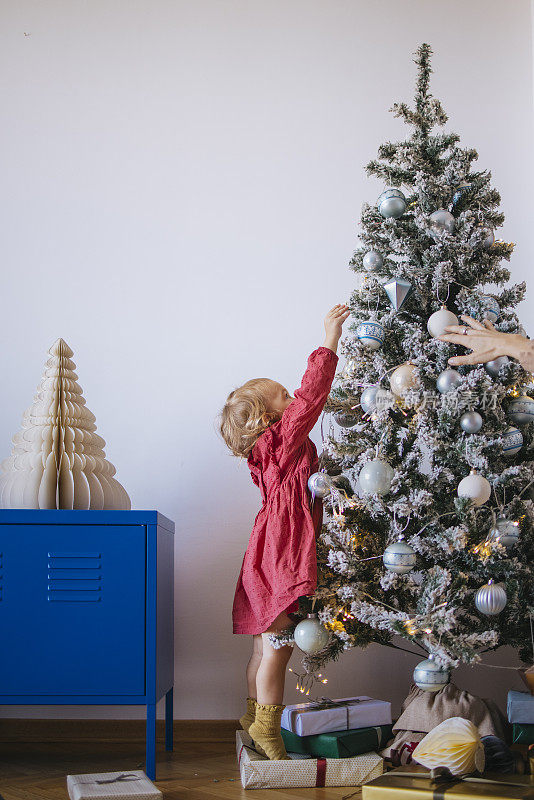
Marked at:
<point>487,343</point>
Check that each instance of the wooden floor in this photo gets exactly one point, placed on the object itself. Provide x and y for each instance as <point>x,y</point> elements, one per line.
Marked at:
<point>193,771</point>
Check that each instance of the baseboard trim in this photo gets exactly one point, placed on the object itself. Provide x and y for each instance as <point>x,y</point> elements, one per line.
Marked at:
<point>114,730</point>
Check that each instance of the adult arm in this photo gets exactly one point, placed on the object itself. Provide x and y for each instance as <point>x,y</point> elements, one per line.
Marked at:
<point>487,343</point>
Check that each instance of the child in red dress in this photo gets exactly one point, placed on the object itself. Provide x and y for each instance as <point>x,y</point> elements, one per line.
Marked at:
<point>262,422</point>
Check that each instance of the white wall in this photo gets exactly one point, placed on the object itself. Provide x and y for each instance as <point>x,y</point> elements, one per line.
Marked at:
<point>182,183</point>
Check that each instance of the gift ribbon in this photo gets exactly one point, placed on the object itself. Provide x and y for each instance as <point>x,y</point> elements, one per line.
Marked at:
<point>121,778</point>
<point>124,777</point>
<point>320,777</point>
<point>326,702</point>
<point>321,772</point>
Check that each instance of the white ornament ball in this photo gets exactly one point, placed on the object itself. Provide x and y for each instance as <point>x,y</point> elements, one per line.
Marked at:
<point>431,677</point>
<point>441,221</point>
<point>448,380</point>
<point>491,599</point>
<point>392,203</point>
<point>403,378</point>
<point>320,484</point>
<point>475,487</point>
<point>370,333</point>
<point>439,320</point>
<point>399,557</point>
<point>512,441</point>
<point>505,531</point>
<point>521,409</point>
<point>375,477</point>
<point>471,422</point>
<point>493,367</point>
<point>311,635</point>
<point>373,260</point>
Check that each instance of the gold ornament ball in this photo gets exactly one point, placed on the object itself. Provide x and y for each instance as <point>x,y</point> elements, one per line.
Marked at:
<point>403,378</point>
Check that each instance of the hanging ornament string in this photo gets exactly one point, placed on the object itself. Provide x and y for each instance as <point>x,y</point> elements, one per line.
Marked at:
<point>448,292</point>
<point>400,531</point>
<point>374,314</point>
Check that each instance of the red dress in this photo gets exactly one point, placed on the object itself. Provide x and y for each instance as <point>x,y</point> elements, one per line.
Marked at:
<point>280,562</point>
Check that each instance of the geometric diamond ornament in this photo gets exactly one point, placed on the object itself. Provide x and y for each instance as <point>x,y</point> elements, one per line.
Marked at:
<point>397,290</point>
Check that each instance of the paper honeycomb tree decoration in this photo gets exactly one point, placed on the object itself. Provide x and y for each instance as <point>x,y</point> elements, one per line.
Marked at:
<point>58,460</point>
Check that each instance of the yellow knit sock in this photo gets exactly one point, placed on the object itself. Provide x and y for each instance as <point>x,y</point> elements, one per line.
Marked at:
<point>265,730</point>
<point>248,718</point>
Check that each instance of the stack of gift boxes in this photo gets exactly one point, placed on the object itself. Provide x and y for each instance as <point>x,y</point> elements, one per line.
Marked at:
<point>329,742</point>
<point>520,709</point>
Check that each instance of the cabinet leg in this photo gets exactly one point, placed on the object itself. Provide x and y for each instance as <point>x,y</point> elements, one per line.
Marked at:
<point>168,719</point>
<point>151,741</point>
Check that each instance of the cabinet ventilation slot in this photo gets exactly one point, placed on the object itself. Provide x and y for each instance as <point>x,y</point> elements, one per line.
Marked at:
<point>74,577</point>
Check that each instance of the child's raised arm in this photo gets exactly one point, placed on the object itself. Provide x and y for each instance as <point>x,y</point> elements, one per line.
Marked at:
<point>302,413</point>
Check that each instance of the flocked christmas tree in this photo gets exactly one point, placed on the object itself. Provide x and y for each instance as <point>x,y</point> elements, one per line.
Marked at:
<point>436,542</point>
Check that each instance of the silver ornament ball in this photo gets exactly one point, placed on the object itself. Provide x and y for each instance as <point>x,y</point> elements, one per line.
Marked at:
<point>448,380</point>
<point>491,599</point>
<point>493,367</point>
<point>493,308</point>
<point>345,419</point>
<point>373,260</point>
<point>512,441</point>
<point>521,409</point>
<point>368,399</point>
<point>441,221</point>
<point>471,422</point>
<point>431,677</point>
<point>505,531</point>
<point>320,484</point>
<point>399,557</point>
<point>370,333</point>
<point>392,203</point>
<point>375,477</point>
<point>311,635</point>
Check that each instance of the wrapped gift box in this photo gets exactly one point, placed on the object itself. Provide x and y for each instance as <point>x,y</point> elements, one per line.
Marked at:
<point>258,772</point>
<point>520,707</point>
<point>132,785</point>
<point>411,783</point>
<point>344,714</point>
<point>522,733</point>
<point>338,744</point>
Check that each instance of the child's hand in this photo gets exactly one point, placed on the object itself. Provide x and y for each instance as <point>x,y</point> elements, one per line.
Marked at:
<point>333,323</point>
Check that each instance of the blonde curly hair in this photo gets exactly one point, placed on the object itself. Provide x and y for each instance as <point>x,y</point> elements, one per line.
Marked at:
<point>245,415</point>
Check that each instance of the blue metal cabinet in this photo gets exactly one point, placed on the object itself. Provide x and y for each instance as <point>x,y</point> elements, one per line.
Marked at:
<point>87,611</point>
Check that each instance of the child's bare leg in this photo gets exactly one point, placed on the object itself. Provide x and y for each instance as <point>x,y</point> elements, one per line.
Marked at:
<point>271,674</point>
<point>254,663</point>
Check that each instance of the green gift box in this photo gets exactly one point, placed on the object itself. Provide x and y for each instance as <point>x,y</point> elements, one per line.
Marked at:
<point>338,744</point>
<point>522,733</point>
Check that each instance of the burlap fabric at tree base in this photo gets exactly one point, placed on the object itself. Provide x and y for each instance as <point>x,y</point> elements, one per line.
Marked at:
<point>422,711</point>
